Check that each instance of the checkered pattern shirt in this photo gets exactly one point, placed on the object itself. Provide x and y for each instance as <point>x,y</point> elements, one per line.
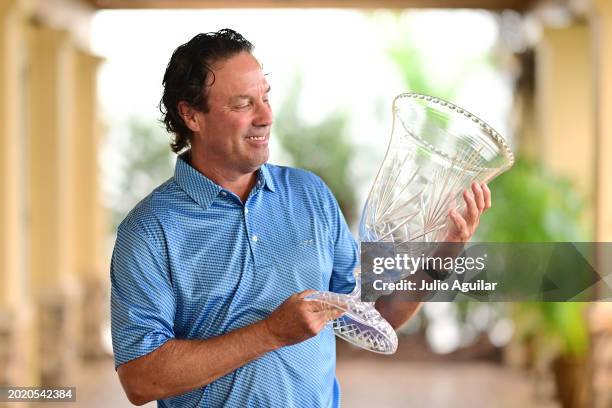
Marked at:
<point>192,261</point>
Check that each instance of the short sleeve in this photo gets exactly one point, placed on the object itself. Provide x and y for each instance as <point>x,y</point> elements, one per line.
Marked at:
<point>346,252</point>
<point>142,299</point>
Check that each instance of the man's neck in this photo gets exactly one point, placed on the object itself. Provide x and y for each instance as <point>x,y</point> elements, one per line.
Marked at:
<point>232,180</point>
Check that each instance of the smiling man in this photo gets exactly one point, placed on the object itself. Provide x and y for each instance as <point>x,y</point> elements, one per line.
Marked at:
<point>210,271</point>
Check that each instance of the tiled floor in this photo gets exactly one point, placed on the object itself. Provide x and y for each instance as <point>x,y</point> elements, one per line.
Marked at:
<point>370,383</point>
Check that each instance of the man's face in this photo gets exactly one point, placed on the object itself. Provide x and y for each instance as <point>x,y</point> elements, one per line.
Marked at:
<point>236,128</point>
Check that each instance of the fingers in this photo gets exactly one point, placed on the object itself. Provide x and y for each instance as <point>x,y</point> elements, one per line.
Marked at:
<point>332,313</point>
<point>487,195</point>
<point>299,318</point>
<point>317,306</point>
<point>472,211</point>
<point>478,196</point>
<point>304,294</point>
<point>461,225</point>
<point>477,202</point>
<point>324,307</point>
<point>328,310</point>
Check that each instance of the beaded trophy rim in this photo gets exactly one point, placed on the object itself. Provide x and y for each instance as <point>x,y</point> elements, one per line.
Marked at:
<point>445,105</point>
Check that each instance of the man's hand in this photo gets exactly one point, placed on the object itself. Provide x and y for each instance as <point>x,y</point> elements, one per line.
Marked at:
<point>180,366</point>
<point>298,319</point>
<point>397,312</point>
<point>477,202</point>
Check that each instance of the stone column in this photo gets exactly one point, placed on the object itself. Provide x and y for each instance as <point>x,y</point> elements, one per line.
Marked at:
<point>565,105</point>
<point>18,357</point>
<point>88,212</point>
<point>51,107</point>
<point>601,313</point>
<point>602,42</point>
<point>565,108</point>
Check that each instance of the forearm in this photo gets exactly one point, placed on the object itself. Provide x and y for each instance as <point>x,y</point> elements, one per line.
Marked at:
<point>398,307</point>
<point>397,312</point>
<point>180,366</point>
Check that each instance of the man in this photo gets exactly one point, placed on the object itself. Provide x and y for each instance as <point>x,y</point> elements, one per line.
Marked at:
<point>210,271</point>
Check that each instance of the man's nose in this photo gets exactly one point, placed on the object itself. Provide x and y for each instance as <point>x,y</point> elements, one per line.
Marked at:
<point>264,115</point>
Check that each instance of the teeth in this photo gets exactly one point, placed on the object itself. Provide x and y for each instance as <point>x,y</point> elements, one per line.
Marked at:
<point>256,137</point>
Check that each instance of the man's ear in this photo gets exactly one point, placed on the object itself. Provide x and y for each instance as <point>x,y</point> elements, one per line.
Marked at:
<point>191,117</point>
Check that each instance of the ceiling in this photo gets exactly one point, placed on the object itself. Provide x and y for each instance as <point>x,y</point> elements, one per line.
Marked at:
<point>368,4</point>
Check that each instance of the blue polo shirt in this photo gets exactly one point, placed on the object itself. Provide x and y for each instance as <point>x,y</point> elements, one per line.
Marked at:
<point>191,261</point>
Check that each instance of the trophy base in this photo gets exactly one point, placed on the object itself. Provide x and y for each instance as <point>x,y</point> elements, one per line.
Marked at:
<point>361,324</point>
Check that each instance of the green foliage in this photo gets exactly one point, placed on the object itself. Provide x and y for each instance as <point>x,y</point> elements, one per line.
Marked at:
<point>553,327</point>
<point>531,205</point>
<point>410,61</point>
<point>147,162</point>
<point>566,319</point>
<point>321,148</point>
<point>413,65</point>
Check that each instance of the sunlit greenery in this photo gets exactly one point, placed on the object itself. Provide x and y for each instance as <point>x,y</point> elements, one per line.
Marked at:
<point>323,148</point>
<point>146,162</point>
<point>532,205</point>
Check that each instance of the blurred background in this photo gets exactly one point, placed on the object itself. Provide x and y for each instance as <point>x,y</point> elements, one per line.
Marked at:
<point>81,144</point>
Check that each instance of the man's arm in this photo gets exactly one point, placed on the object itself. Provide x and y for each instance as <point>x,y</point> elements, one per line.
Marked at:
<point>396,307</point>
<point>397,312</point>
<point>179,366</point>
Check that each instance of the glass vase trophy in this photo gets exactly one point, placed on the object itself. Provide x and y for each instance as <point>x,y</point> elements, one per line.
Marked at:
<point>435,153</point>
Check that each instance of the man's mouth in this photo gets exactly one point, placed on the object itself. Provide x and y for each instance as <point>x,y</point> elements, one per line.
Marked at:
<point>256,137</point>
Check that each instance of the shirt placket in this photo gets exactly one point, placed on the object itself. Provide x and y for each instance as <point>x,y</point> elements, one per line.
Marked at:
<point>251,226</point>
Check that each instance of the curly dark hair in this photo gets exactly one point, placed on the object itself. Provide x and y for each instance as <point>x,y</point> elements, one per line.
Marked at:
<point>189,70</point>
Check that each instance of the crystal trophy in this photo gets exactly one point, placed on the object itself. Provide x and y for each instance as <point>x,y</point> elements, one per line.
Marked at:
<point>436,151</point>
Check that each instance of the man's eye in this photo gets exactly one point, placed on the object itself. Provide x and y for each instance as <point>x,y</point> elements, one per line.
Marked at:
<point>243,106</point>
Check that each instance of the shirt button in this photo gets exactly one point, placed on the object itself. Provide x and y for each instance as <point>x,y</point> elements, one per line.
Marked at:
<point>223,193</point>
<point>246,210</point>
<point>255,238</point>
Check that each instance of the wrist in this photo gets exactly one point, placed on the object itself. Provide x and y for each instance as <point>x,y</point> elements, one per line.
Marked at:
<point>269,339</point>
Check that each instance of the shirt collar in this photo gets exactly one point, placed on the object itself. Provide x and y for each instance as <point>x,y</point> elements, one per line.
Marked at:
<point>199,187</point>
<point>202,189</point>
<point>265,177</point>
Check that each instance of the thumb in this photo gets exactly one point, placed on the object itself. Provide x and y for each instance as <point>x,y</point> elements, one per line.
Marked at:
<point>305,293</point>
